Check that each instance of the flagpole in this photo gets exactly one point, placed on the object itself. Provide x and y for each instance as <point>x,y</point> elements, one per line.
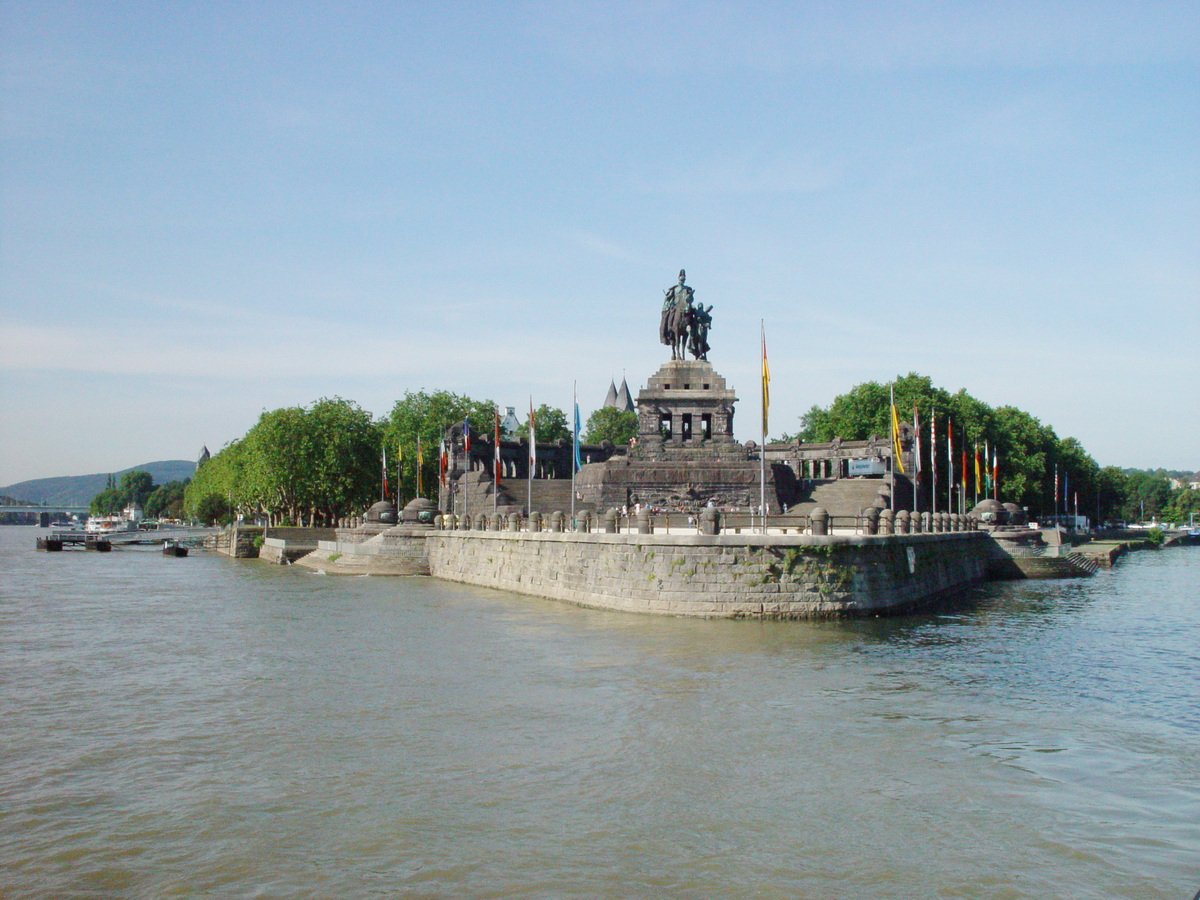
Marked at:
<point>917,461</point>
<point>532,457</point>
<point>892,432</point>
<point>496,462</point>
<point>766,403</point>
<point>574,446</point>
<point>950,462</point>
<point>933,456</point>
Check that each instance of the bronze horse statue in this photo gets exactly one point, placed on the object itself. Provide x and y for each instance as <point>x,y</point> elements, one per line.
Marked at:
<point>676,320</point>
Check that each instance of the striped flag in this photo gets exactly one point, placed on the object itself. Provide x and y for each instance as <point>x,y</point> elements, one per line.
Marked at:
<point>917,445</point>
<point>575,439</point>
<point>899,464</point>
<point>496,447</point>
<point>532,440</point>
<point>385,484</point>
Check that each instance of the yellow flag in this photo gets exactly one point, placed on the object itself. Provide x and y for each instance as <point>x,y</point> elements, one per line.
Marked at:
<point>896,438</point>
<point>766,382</point>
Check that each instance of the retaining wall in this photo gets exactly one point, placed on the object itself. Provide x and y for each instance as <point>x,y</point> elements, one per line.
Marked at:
<point>765,576</point>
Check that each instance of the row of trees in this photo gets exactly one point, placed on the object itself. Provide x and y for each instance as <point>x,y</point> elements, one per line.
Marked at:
<point>138,487</point>
<point>320,463</point>
<point>1029,452</point>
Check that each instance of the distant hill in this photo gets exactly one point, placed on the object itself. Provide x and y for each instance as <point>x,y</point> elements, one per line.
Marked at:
<point>78,490</point>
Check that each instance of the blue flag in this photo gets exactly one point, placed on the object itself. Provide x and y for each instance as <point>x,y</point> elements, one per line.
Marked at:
<point>575,442</point>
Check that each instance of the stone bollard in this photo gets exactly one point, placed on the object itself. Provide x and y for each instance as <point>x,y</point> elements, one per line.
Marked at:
<point>438,522</point>
<point>535,521</point>
<point>514,522</point>
<point>820,520</point>
<point>464,522</point>
<point>887,522</point>
<point>943,522</point>
<point>903,522</point>
<point>644,525</point>
<point>556,521</point>
<point>610,521</point>
<point>710,520</point>
<point>870,520</point>
<point>927,523</point>
<point>956,523</point>
<point>583,522</point>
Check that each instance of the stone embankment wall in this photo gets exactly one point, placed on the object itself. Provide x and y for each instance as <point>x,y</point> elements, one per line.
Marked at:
<point>772,576</point>
<point>286,545</point>
<point>236,542</point>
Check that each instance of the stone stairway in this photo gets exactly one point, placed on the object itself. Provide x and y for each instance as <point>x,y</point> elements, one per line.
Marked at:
<point>842,497</point>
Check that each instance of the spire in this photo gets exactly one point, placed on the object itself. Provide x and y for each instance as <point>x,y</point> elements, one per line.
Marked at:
<point>624,400</point>
<point>611,399</point>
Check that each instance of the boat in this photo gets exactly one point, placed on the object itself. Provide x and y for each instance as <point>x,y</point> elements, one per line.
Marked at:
<point>109,525</point>
<point>174,548</point>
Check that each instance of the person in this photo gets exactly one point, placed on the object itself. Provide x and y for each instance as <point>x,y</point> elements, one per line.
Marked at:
<point>701,322</point>
<point>677,292</point>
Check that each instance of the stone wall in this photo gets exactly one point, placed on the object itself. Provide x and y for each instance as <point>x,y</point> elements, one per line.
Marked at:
<point>772,576</point>
<point>237,542</point>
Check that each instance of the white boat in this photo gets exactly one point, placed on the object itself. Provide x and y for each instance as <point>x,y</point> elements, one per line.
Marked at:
<point>109,525</point>
<point>127,521</point>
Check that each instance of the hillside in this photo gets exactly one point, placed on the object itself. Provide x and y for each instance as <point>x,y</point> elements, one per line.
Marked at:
<point>78,490</point>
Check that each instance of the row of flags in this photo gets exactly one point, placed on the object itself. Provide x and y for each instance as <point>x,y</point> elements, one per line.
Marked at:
<point>986,468</point>
<point>497,465</point>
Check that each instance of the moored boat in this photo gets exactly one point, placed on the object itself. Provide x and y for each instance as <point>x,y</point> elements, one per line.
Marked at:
<point>174,548</point>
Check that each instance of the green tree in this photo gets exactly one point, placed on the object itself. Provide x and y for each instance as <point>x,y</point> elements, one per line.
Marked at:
<point>167,501</point>
<point>1146,497</point>
<point>137,487</point>
<point>426,416</point>
<point>611,424</point>
<point>551,425</point>
<point>212,508</point>
<point>108,502</point>
<point>1184,505</point>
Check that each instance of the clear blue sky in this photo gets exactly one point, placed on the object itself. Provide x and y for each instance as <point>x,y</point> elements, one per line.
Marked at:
<point>212,209</point>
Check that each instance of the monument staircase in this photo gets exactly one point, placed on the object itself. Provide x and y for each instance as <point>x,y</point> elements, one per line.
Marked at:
<point>840,497</point>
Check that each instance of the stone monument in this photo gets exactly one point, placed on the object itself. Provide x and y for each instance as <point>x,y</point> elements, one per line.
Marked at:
<point>685,455</point>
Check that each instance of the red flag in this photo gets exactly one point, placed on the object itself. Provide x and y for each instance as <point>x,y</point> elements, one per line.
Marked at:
<point>385,484</point>
<point>496,413</point>
<point>442,461</point>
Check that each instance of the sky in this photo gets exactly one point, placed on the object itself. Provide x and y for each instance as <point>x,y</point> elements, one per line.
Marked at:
<point>209,210</point>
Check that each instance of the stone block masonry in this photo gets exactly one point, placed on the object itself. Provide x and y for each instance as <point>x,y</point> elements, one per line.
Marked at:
<point>724,576</point>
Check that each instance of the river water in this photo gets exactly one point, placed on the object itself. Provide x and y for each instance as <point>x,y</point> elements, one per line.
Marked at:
<point>207,726</point>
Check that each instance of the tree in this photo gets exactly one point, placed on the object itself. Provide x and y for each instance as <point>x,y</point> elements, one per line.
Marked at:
<point>426,416</point>
<point>550,424</point>
<point>1026,450</point>
<point>166,501</point>
<point>1184,505</point>
<point>137,487</point>
<point>212,508</point>
<point>1146,496</point>
<point>611,424</point>
<point>109,501</point>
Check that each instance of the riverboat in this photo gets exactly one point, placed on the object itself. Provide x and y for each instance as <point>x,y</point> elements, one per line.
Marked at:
<point>174,548</point>
<point>110,525</point>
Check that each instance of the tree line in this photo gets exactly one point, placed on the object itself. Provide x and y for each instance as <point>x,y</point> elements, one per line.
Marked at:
<point>317,464</point>
<point>1037,469</point>
<point>138,487</point>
